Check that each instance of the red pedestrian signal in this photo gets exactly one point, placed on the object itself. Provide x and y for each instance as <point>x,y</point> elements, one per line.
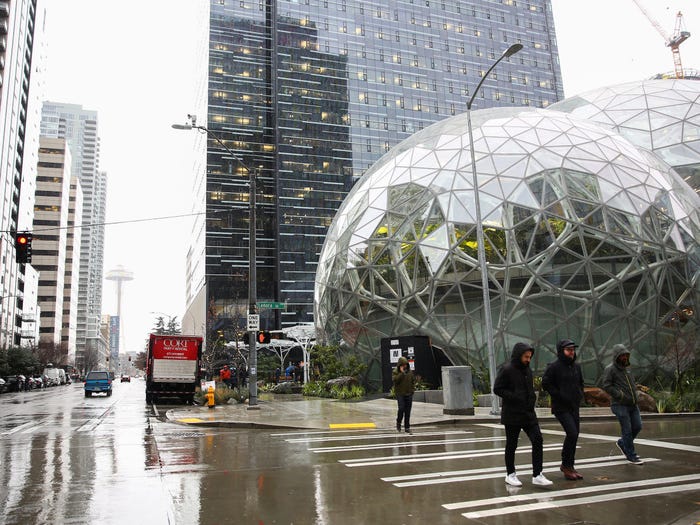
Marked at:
<point>263,337</point>
<point>23,247</point>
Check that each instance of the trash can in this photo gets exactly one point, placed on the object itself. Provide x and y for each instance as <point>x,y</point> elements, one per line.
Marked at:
<point>457,390</point>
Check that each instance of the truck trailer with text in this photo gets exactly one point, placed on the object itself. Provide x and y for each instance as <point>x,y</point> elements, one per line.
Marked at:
<point>173,365</point>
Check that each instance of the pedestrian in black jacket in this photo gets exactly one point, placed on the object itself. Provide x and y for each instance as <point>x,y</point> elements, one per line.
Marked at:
<point>564,382</point>
<point>619,382</point>
<point>514,384</point>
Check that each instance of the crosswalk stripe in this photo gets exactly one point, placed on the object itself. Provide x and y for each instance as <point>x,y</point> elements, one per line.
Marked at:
<point>542,505</point>
<point>568,492</point>
<point>603,437</point>
<point>403,444</point>
<point>374,436</point>
<point>449,473</point>
<point>500,473</point>
<point>436,456</point>
<point>21,427</point>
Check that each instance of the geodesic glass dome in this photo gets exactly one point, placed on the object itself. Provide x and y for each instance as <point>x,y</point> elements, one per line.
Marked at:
<point>586,236</point>
<point>662,116</point>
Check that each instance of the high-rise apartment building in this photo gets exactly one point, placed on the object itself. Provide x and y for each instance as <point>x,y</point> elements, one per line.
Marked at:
<point>310,94</point>
<point>56,248</point>
<point>70,282</point>
<point>80,129</point>
<point>51,210</point>
<point>20,34</point>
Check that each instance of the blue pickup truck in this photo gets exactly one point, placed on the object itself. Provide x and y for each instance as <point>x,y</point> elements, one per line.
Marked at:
<point>97,382</point>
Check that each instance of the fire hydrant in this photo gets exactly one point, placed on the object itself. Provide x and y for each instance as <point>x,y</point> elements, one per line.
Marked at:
<point>210,397</point>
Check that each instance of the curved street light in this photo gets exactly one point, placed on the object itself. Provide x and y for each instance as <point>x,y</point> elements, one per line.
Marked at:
<point>481,248</point>
<point>252,290</point>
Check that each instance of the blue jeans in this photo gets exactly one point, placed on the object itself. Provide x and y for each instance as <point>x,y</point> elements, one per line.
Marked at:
<point>405,403</point>
<point>631,424</point>
<point>570,422</point>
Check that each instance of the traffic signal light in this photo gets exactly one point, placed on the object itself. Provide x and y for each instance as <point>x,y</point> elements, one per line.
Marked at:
<point>23,247</point>
<point>263,337</point>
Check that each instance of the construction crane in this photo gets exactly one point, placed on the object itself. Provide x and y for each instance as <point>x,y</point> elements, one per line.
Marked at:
<point>674,41</point>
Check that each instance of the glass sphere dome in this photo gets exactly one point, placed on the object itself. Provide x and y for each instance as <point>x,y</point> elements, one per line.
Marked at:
<point>662,116</point>
<point>586,236</point>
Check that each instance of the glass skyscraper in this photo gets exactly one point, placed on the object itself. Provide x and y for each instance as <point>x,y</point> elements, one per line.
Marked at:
<point>310,94</point>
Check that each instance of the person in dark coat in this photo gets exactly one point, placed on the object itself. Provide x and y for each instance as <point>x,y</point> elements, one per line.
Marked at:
<point>404,386</point>
<point>563,380</point>
<point>514,385</point>
<point>619,383</point>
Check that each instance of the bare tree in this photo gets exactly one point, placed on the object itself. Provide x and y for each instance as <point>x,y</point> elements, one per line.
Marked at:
<point>49,352</point>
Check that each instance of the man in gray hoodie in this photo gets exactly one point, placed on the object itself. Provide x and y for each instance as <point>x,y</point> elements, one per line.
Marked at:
<point>619,383</point>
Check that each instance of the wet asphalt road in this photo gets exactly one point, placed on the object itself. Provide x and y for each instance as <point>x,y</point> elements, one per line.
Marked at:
<point>69,459</point>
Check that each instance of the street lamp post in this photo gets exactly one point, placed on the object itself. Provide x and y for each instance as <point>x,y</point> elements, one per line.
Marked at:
<point>481,248</point>
<point>252,289</point>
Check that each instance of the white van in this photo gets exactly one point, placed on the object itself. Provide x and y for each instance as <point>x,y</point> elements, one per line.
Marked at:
<point>57,376</point>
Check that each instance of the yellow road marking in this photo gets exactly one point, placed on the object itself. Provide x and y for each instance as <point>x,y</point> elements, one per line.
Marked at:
<point>191,420</point>
<point>352,425</point>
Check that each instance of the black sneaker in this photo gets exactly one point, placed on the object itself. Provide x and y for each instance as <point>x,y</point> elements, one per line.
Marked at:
<point>635,459</point>
<point>398,428</point>
<point>622,449</point>
<point>409,431</point>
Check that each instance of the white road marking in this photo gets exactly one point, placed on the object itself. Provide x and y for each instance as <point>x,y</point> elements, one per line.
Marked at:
<point>501,472</point>
<point>403,444</point>
<point>22,427</point>
<point>568,492</point>
<point>603,437</point>
<point>436,456</point>
<point>448,473</point>
<point>376,436</point>
<point>616,496</point>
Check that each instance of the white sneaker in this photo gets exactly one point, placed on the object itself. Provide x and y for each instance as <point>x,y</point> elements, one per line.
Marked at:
<point>541,481</point>
<point>513,480</point>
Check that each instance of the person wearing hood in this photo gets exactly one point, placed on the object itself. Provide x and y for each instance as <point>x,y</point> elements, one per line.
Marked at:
<point>619,383</point>
<point>515,386</point>
<point>404,386</point>
<point>563,381</point>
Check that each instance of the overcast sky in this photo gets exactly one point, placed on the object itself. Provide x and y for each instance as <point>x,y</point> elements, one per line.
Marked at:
<point>132,62</point>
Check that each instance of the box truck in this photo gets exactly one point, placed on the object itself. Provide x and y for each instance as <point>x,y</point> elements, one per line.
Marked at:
<point>173,365</point>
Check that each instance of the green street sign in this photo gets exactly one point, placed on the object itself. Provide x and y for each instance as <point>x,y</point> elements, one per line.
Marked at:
<point>272,305</point>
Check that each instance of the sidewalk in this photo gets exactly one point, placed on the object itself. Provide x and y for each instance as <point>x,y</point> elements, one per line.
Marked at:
<point>294,411</point>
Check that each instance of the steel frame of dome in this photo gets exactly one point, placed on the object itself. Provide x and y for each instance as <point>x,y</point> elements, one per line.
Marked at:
<point>587,237</point>
<point>662,116</point>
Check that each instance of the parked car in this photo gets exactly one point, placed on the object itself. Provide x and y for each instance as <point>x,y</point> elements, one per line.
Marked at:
<point>14,383</point>
<point>126,379</point>
<point>3,384</point>
<point>96,382</point>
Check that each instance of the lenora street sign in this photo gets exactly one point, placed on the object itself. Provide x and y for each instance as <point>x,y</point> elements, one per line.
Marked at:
<point>271,304</point>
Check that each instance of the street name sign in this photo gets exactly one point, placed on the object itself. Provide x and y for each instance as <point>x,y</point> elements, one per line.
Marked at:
<point>271,304</point>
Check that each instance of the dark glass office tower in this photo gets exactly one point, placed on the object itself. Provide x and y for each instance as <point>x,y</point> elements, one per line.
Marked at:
<point>309,94</point>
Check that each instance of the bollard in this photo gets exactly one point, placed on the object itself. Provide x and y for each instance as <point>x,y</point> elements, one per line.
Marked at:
<point>210,397</point>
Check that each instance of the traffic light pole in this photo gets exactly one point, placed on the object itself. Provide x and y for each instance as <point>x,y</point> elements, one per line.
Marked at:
<point>252,300</point>
<point>252,277</point>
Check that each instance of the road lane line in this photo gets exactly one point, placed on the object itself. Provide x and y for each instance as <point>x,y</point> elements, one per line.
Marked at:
<point>375,436</point>
<point>568,492</point>
<point>603,437</point>
<point>437,456</point>
<point>458,479</point>
<point>21,427</point>
<point>428,475</point>
<point>403,444</point>
<point>616,496</point>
